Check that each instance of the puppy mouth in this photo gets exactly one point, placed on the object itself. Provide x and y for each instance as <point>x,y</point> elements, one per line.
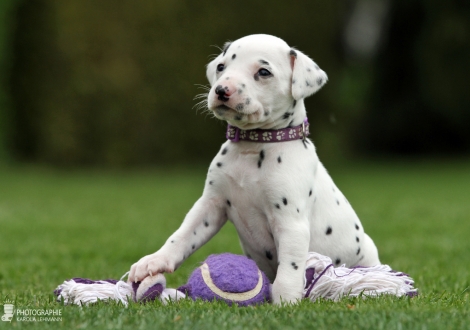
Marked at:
<point>237,113</point>
<point>223,107</point>
<point>225,112</point>
<point>238,109</point>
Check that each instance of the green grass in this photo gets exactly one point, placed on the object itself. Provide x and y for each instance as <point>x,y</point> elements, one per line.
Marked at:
<point>55,225</point>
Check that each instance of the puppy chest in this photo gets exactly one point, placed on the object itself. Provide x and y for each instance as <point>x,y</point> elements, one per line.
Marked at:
<point>240,181</point>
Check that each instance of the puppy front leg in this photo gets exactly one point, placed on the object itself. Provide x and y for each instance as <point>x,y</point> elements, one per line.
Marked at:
<point>293,243</point>
<point>201,223</point>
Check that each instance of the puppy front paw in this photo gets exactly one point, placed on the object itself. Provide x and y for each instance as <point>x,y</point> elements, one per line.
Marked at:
<point>150,265</point>
<point>284,294</point>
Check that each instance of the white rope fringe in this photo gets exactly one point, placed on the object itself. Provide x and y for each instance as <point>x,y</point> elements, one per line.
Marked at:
<point>334,283</point>
<point>73,293</point>
<point>84,292</point>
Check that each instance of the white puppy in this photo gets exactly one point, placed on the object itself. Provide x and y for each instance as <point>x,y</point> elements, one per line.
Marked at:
<point>267,178</point>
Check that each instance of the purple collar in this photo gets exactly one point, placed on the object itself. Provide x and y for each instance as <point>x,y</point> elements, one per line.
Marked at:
<point>235,134</point>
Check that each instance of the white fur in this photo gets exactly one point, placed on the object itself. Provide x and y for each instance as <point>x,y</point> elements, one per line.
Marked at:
<point>279,196</point>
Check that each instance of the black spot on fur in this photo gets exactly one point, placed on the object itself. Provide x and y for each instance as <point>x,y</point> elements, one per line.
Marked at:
<point>228,203</point>
<point>269,255</point>
<point>211,182</point>
<point>357,239</point>
<point>239,106</point>
<point>248,100</point>
<point>337,261</point>
<point>239,91</point>
<point>261,158</point>
<point>293,53</point>
<point>238,117</point>
<point>290,123</point>
<point>172,241</point>
<point>219,164</point>
<point>294,266</point>
<point>337,202</point>
<point>226,47</point>
<point>293,81</point>
<point>308,69</point>
<point>358,251</point>
<point>284,200</point>
<point>243,85</point>
<point>329,230</point>
<point>287,115</point>
<point>295,102</point>
<point>319,81</point>
<point>307,83</point>
<point>298,211</point>
<point>277,206</point>
<point>233,56</point>
<point>224,151</point>
<point>194,232</point>
<point>279,160</point>
<point>357,226</point>
<point>206,223</point>
<point>305,143</point>
<point>193,247</point>
<point>310,193</point>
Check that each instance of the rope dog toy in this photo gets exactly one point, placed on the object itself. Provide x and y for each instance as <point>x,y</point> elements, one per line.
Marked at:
<point>237,279</point>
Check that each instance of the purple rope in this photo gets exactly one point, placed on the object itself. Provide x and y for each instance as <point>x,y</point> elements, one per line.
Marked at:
<point>316,280</point>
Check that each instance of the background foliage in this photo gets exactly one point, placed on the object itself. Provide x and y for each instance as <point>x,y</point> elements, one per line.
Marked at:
<point>112,83</point>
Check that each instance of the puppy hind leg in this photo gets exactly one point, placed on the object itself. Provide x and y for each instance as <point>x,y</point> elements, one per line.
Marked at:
<point>370,253</point>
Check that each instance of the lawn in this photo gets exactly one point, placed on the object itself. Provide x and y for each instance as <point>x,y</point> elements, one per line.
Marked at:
<point>55,225</point>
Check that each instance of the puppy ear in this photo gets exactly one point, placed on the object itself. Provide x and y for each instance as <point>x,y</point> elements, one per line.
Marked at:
<point>210,71</point>
<point>307,77</point>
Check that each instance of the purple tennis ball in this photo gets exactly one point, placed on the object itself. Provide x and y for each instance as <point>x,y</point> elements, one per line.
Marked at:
<point>231,278</point>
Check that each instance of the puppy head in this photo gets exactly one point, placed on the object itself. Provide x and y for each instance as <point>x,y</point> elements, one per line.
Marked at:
<point>260,82</point>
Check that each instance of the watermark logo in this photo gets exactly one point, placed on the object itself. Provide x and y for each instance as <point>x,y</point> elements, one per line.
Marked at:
<point>30,314</point>
<point>8,310</point>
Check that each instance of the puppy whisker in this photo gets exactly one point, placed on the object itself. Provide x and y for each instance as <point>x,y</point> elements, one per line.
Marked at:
<point>218,47</point>
<point>201,105</point>
<point>200,96</point>
<point>204,87</point>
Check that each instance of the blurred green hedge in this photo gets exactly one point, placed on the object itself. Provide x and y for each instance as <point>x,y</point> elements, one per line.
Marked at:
<point>6,8</point>
<point>109,82</point>
<point>420,100</point>
<point>112,82</point>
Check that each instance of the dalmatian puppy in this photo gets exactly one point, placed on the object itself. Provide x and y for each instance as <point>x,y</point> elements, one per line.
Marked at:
<point>267,178</point>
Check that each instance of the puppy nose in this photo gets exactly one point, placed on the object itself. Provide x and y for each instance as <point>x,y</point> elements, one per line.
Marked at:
<point>223,93</point>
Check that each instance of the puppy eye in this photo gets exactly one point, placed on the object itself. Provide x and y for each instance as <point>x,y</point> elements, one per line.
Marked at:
<point>264,73</point>
<point>220,67</point>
